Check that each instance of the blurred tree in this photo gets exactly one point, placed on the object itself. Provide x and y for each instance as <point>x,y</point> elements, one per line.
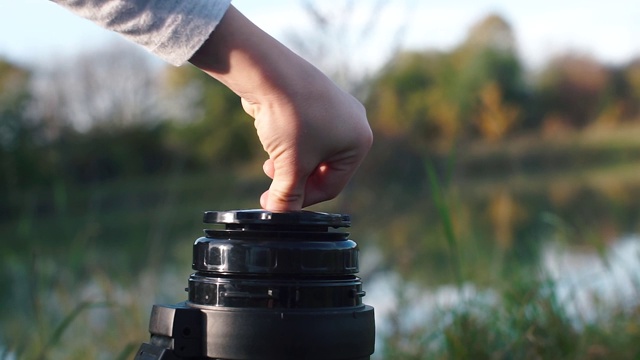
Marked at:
<point>214,129</point>
<point>112,87</point>
<point>621,98</point>
<point>22,165</point>
<point>432,97</point>
<point>494,119</point>
<point>13,95</point>
<point>100,116</point>
<point>116,113</point>
<point>490,78</point>
<point>413,98</point>
<point>98,155</point>
<point>573,90</point>
<point>629,89</point>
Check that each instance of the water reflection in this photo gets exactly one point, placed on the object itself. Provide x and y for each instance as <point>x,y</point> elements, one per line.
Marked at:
<point>567,231</point>
<point>588,283</point>
<point>570,230</point>
<point>500,226</point>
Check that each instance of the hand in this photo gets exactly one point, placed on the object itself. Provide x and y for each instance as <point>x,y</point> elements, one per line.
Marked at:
<point>315,134</point>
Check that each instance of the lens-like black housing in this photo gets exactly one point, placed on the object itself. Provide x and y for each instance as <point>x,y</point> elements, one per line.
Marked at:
<point>275,260</point>
<point>270,285</point>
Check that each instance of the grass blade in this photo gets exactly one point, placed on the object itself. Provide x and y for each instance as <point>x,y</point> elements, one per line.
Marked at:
<point>65,323</point>
<point>446,221</point>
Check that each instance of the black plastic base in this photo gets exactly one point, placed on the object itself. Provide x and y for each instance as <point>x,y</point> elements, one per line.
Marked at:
<point>259,334</point>
<point>154,352</point>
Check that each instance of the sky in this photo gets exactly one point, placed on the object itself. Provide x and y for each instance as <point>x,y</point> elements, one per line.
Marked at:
<point>36,31</point>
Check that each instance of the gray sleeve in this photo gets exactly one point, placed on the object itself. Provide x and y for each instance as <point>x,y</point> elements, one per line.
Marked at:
<point>172,29</point>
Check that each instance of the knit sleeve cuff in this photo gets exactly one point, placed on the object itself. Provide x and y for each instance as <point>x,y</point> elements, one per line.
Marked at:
<point>172,29</point>
<point>187,29</point>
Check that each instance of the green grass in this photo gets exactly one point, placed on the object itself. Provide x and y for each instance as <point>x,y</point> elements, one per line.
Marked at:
<point>519,316</point>
<point>83,278</point>
<point>526,320</point>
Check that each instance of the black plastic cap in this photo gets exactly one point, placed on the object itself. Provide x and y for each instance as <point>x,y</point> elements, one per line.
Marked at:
<point>264,217</point>
<point>261,242</point>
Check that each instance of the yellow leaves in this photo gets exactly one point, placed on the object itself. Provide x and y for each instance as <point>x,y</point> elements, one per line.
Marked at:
<point>610,117</point>
<point>427,113</point>
<point>433,114</point>
<point>494,117</point>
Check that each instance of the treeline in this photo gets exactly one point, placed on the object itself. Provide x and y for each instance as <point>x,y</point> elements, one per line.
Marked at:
<point>481,90</point>
<point>117,114</point>
<point>110,115</point>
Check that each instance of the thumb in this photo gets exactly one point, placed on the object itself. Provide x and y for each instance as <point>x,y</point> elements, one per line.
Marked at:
<point>287,189</point>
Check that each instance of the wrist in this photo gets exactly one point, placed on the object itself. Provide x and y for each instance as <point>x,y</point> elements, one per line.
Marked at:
<point>250,62</point>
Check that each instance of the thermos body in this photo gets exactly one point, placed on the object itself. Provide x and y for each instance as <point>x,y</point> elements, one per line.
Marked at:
<point>268,286</point>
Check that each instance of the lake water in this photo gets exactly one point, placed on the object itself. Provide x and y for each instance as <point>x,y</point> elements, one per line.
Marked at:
<point>586,281</point>
<point>81,283</point>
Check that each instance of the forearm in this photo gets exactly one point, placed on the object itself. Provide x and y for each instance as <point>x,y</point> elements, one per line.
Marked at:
<point>314,133</point>
<point>252,63</point>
